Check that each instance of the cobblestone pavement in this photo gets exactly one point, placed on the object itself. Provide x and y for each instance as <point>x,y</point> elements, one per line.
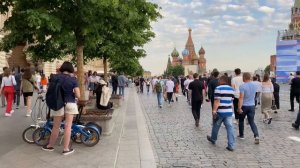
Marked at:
<point>179,144</point>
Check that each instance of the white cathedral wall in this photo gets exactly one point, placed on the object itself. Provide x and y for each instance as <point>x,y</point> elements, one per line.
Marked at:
<point>190,69</point>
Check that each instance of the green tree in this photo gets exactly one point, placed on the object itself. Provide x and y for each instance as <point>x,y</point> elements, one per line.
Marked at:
<point>129,66</point>
<point>267,69</point>
<point>176,70</point>
<point>4,6</point>
<point>97,28</point>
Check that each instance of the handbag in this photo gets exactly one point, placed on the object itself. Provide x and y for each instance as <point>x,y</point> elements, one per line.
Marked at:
<point>34,86</point>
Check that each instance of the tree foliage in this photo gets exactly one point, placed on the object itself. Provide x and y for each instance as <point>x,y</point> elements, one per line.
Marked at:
<point>176,70</point>
<point>267,69</point>
<point>108,29</point>
<point>129,65</point>
<point>4,6</point>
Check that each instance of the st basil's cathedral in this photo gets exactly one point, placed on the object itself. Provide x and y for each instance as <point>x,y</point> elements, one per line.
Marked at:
<point>191,62</point>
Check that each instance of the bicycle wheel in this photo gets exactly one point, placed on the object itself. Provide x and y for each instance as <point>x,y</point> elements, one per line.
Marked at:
<point>76,138</point>
<point>93,137</point>
<point>27,134</point>
<point>41,136</point>
<point>95,125</point>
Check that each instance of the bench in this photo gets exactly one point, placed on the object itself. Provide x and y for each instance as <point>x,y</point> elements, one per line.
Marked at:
<point>116,100</point>
<point>104,118</point>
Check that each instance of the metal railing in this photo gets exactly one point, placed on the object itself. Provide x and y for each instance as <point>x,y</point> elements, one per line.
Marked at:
<point>288,34</point>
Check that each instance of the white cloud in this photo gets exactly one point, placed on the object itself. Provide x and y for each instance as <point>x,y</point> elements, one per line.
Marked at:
<point>235,7</point>
<point>266,9</point>
<point>231,23</point>
<point>238,23</point>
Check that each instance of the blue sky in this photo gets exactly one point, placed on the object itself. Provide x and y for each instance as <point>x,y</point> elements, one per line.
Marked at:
<point>234,33</point>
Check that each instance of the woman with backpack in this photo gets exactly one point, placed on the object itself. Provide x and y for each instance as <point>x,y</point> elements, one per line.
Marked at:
<point>7,88</point>
<point>28,84</point>
<point>159,91</point>
<point>70,92</point>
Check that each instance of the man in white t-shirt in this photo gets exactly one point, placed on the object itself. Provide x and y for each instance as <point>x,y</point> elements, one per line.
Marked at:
<point>186,85</point>
<point>236,82</point>
<point>258,89</point>
<point>169,89</point>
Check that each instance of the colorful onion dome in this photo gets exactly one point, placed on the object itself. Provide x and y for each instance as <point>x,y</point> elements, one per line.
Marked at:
<point>175,53</point>
<point>201,51</point>
<point>185,52</point>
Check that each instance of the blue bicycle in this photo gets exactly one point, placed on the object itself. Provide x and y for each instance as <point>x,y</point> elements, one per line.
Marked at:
<point>88,134</point>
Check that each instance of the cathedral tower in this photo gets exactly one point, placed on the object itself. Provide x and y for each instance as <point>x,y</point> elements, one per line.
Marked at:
<point>175,57</point>
<point>191,48</point>
<point>295,16</point>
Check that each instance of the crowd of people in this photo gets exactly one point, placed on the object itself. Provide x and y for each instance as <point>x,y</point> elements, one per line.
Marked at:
<point>20,82</point>
<point>233,99</point>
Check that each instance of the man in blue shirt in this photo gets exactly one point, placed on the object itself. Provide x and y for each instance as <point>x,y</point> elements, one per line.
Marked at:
<point>222,112</point>
<point>121,83</point>
<point>246,106</point>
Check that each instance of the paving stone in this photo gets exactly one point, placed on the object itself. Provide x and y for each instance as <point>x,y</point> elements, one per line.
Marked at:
<point>177,142</point>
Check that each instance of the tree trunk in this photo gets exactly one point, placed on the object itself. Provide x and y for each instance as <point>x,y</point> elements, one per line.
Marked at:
<point>105,68</point>
<point>80,70</point>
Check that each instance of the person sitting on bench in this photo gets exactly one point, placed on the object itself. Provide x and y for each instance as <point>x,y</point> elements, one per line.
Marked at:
<point>102,96</point>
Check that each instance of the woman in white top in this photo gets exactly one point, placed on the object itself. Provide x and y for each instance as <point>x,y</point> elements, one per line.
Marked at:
<point>93,80</point>
<point>267,90</point>
<point>7,88</point>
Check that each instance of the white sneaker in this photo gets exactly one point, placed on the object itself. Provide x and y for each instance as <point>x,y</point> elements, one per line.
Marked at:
<point>12,111</point>
<point>65,153</point>
<point>256,140</point>
<point>7,114</point>
<point>28,114</point>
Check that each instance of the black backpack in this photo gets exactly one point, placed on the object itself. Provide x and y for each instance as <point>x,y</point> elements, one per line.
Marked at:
<point>55,95</point>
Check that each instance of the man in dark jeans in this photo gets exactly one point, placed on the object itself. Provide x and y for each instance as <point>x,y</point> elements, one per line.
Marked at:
<point>295,87</point>
<point>142,81</point>
<point>182,79</point>
<point>114,82</point>
<point>213,83</point>
<point>236,82</point>
<point>276,94</point>
<point>246,106</point>
<point>292,98</point>
<point>198,93</point>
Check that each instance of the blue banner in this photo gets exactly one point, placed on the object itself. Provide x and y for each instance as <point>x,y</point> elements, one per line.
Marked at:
<point>287,59</point>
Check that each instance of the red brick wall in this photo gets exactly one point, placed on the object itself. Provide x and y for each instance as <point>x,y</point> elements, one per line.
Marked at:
<point>273,63</point>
